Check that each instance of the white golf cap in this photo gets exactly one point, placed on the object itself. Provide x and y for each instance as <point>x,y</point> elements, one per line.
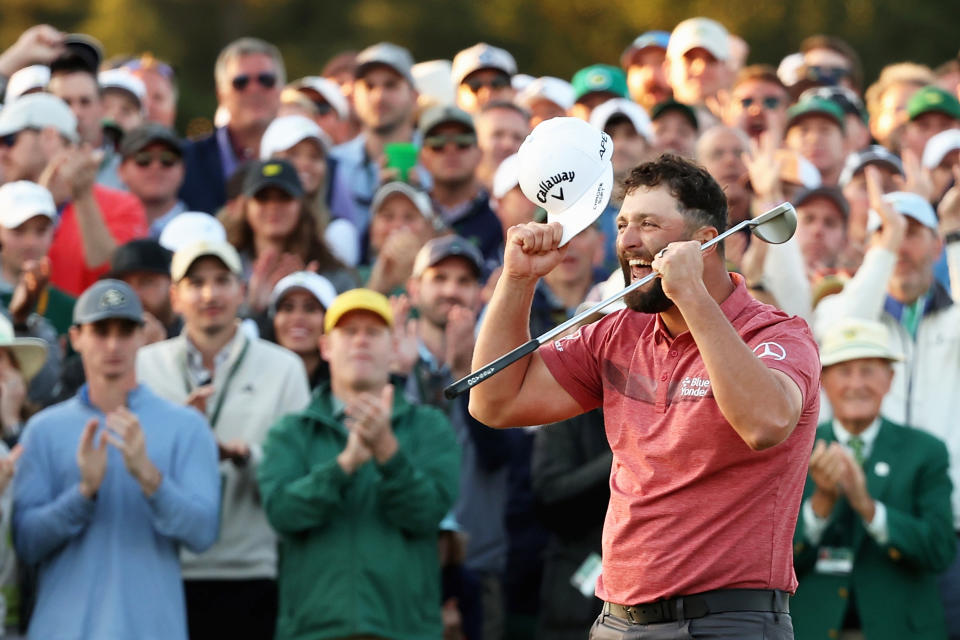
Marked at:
<point>507,176</point>
<point>603,290</point>
<point>699,32</point>
<point>189,227</point>
<point>432,81</point>
<point>521,81</point>
<point>559,92</point>
<point>125,81</point>
<point>36,76</point>
<point>789,69</point>
<point>481,56</point>
<point>287,131</point>
<point>328,90</point>
<point>909,204</point>
<point>419,199</point>
<point>39,111</point>
<point>314,284</point>
<point>939,146</point>
<point>22,200</point>
<point>184,258</point>
<point>856,339</point>
<point>565,168</point>
<point>633,112</point>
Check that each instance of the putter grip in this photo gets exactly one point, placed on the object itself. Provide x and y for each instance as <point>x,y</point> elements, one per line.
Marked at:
<point>475,378</point>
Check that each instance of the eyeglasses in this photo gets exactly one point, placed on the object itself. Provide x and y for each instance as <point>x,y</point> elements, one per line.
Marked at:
<point>769,102</point>
<point>166,158</point>
<point>265,80</point>
<point>462,140</point>
<point>11,138</point>
<point>495,83</point>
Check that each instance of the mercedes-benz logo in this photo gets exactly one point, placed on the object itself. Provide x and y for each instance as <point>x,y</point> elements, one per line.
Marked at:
<point>770,350</point>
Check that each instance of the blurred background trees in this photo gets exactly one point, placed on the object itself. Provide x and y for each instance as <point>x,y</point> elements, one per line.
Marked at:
<point>554,37</point>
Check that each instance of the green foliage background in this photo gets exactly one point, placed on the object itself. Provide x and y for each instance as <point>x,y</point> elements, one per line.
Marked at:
<point>554,37</point>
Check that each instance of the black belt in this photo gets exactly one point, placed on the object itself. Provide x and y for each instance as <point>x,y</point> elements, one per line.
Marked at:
<point>701,604</point>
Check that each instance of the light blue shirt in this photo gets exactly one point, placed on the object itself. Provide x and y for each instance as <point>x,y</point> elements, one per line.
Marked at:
<point>109,568</point>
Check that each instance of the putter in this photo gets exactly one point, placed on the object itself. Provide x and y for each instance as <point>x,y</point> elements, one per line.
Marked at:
<point>776,226</point>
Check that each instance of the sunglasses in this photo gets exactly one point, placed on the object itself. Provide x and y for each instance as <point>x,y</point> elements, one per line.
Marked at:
<point>11,138</point>
<point>826,75</point>
<point>462,140</point>
<point>770,102</point>
<point>495,83</point>
<point>265,80</point>
<point>166,158</point>
<point>149,63</point>
<point>323,108</point>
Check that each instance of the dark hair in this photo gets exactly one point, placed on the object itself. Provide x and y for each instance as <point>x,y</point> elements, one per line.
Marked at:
<point>842,47</point>
<point>699,198</point>
<point>304,241</point>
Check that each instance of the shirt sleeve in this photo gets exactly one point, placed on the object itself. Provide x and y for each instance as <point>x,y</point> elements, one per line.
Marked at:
<point>877,528</point>
<point>789,346</point>
<point>126,219</point>
<point>574,361</point>
<point>813,525</point>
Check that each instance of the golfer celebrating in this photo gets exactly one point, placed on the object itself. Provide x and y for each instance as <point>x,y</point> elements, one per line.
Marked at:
<point>710,400</point>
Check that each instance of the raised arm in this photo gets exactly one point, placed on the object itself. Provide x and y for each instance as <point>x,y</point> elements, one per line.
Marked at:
<point>525,393</point>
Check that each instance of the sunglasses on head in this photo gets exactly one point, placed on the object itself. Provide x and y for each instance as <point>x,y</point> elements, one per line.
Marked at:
<point>166,158</point>
<point>462,140</point>
<point>265,80</point>
<point>769,102</point>
<point>149,63</point>
<point>495,83</point>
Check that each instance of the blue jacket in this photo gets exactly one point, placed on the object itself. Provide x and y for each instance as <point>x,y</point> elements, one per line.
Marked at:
<point>204,186</point>
<point>109,568</point>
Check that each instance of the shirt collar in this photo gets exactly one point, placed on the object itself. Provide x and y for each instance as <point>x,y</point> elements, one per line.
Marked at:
<point>869,435</point>
<point>199,375</point>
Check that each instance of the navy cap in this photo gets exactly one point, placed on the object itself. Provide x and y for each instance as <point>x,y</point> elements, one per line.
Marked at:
<point>139,138</point>
<point>874,154</point>
<point>272,173</point>
<point>141,255</point>
<point>447,247</point>
<point>105,300</point>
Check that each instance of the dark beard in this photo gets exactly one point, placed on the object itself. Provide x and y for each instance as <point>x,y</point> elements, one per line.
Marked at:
<point>652,301</point>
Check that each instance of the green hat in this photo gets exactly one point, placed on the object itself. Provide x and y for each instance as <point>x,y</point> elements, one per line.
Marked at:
<point>933,99</point>
<point>815,105</point>
<point>599,77</point>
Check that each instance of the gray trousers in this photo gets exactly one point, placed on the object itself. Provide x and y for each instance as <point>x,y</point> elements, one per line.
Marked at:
<point>735,625</point>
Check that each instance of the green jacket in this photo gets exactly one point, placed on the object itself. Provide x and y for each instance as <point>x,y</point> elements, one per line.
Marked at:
<point>894,587</point>
<point>358,554</point>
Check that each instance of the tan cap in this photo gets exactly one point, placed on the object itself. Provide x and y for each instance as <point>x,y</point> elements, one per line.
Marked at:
<point>855,339</point>
<point>185,257</point>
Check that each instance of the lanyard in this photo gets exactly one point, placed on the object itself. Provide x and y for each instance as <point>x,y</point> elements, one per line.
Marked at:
<point>226,385</point>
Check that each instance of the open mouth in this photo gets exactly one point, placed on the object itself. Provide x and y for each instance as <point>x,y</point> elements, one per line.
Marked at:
<point>639,269</point>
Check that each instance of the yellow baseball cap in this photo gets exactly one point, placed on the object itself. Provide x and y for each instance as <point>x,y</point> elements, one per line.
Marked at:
<point>357,300</point>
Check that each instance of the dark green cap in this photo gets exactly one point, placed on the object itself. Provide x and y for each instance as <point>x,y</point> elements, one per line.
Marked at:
<point>815,105</point>
<point>599,77</point>
<point>933,99</point>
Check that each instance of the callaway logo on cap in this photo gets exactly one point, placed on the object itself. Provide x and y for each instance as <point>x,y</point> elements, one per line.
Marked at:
<point>565,168</point>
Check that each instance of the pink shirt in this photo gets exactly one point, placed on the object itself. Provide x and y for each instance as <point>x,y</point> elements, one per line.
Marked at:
<point>692,507</point>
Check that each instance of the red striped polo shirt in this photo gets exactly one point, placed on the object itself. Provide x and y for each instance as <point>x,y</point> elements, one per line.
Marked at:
<point>692,507</point>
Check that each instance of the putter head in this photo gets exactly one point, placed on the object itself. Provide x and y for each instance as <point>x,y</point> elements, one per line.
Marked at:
<point>777,225</point>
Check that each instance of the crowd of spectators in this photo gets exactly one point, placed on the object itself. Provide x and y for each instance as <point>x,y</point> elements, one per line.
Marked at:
<point>222,359</point>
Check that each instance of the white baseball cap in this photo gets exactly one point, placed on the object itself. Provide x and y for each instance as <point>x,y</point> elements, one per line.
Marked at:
<point>189,227</point>
<point>909,204</point>
<point>600,116</point>
<point>125,81</point>
<point>22,200</point>
<point>939,146</point>
<point>314,284</point>
<point>184,258</point>
<point>699,32</point>
<point>559,92</point>
<point>328,90</point>
<point>507,176</point>
<point>286,131</point>
<point>432,81</point>
<point>789,69</point>
<point>39,111</point>
<point>481,56</point>
<point>36,76</point>
<point>565,168</point>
